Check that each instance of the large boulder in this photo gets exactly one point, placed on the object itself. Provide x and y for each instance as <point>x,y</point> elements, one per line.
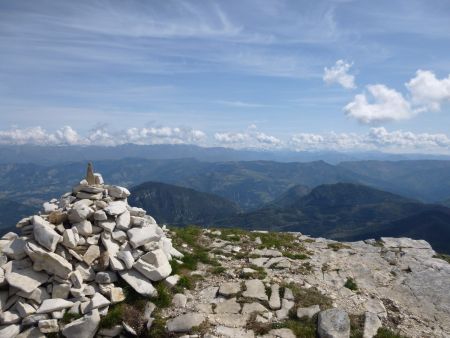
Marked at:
<point>333,323</point>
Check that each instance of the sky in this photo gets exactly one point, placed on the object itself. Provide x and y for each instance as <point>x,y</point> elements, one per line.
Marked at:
<point>300,75</point>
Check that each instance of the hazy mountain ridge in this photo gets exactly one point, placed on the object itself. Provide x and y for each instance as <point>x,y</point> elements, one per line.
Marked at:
<point>181,206</point>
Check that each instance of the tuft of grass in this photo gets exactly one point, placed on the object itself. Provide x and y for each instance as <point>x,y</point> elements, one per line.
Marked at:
<point>70,317</point>
<point>351,284</point>
<point>444,257</point>
<point>260,273</point>
<point>217,270</point>
<point>338,246</point>
<point>114,316</point>
<point>307,297</point>
<point>305,327</point>
<point>164,297</point>
<point>295,255</point>
<point>258,328</point>
<point>356,326</point>
<point>158,328</point>
<point>384,332</point>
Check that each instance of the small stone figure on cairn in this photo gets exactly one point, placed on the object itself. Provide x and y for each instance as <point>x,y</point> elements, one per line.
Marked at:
<point>90,178</point>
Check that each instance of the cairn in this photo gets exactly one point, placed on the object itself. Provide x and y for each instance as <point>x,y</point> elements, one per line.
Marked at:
<point>70,257</point>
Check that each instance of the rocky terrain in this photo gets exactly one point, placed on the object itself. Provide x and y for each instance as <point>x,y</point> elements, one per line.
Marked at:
<point>90,265</point>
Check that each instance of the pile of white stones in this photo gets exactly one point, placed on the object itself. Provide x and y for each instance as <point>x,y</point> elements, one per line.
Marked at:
<point>69,258</point>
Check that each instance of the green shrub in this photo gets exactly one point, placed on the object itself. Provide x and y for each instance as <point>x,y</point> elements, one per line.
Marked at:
<point>351,284</point>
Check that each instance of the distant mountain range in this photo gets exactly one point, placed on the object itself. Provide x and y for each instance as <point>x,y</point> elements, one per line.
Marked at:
<point>250,184</point>
<point>50,155</point>
<point>257,194</point>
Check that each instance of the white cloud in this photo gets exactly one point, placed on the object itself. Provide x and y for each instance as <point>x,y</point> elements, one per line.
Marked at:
<point>249,139</point>
<point>376,139</point>
<point>386,105</point>
<point>103,137</point>
<point>339,74</point>
<point>427,91</point>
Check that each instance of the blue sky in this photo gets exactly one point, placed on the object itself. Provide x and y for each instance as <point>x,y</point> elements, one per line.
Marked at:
<point>304,75</point>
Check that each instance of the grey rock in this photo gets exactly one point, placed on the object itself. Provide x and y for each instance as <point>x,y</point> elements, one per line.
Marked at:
<point>56,304</point>
<point>45,235</point>
<point>138,282</point>
<point>9,331</point>
<point>48,261</point>
<point>85,327</point>
<point>32,332</point>
<point>154,265</point>
<point>91,254</point>
<point>228,306</point>
<point>15,249</point>
<point>333,323</point>
<point>116,208</point>
<point>186,322</point>
<point>123,220</point>
<point>117,192</point>
<point>309,311</point>
<point>371,324</point>
<point>141,236</point>
<point>48,325</point>
<point>229,289</point>
<point>275,301</point>
<point>255,289</point>
<point>21,275</point>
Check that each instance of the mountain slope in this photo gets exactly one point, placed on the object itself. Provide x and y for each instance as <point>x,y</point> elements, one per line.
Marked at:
<point>347,211</point>
<point>11,212</point>
<point>181,206</point>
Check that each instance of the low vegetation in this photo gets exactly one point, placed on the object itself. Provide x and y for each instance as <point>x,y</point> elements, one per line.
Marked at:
<point>351,284</point>
<point>384,332</point>
<point>337,246</point>
<point>444,257</point>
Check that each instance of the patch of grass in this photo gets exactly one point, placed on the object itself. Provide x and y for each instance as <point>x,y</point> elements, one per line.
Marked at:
<point>164,298</point>
<point>114,316</point>
<point>189,235</point>
<point>378,243</point>
<point>278,240</point>
<point>295,255</point>
<point>356,326</point>
<point>384,332</point>
<point>260,273</point>
<point>307,297</point>
<point>305,327</point>
<point>443,257</point>
<point>70,317</point>
<point>257,327</point>
<point>305,268</point>
<point>134,317</point>
<point>338,246</point>
<point>158,328</point>
<point>217,270</point>
<point>351,284</point>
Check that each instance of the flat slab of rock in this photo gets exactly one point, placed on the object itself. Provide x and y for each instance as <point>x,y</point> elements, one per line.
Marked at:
<point>56,304</point>
<point>21,275</point>
<point>186,322</point>
<point>138,282</point>
<point>309,311</point>
<point>255,289</point>
<point>45,235</point>
<point>333,323</point>
<point>229,289</point>
<point>48,261</point>
<point>228,306</point>
<point>141,236</point>
<point>85,327</point>
<point>154,265</point>
<point>116,208</point>
<point>275,301</point>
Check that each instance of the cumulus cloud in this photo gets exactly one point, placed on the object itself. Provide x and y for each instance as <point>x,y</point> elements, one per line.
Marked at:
<point>379,104</point>
<point>375,139</point>
<point>252,138</point>
<point>102,136</point>
<point>427,91</point>
<point>382,104</point>
<point>339,73</point>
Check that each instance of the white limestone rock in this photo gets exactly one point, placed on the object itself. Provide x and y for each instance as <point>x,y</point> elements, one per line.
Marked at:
<point>141,236</point>
<point>333,323</point>
<point>123,220</point>
<point>21,275</point>
<point>55,304</point>
<point>48,325</point>
<point>85,327</point>
<point>255,289</point>
<point>48,261</point>
<point>186,322</point>
<point>154,265</point>
<point>138,282</point>
<point>44,234</point>
<point>117,192</point>
<point>116,208</point>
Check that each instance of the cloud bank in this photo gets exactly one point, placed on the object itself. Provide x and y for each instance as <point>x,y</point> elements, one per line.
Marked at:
<point>378,138</point>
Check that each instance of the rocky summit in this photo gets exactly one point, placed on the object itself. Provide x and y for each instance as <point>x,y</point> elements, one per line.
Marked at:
<point>90,265</point>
